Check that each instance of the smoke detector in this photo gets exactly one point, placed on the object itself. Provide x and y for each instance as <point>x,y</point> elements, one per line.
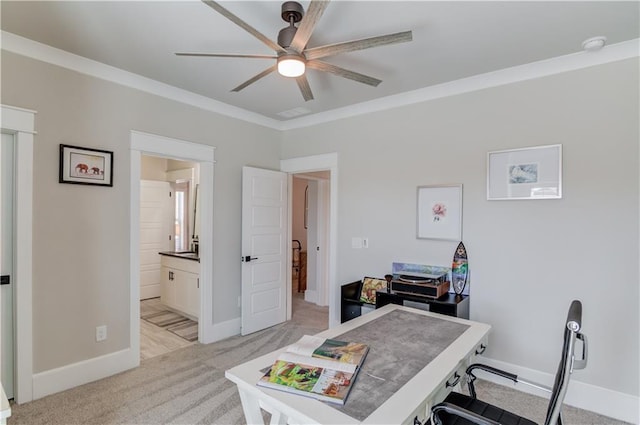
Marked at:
<point>594,44</point>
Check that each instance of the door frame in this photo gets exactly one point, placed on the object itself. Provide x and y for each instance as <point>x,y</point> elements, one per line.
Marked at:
<point>21,123</point>
<point>154,145</point>
<point>323,162</point>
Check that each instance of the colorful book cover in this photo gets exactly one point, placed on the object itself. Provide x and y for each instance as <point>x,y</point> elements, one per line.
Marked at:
<point>369,287</point>
<point>320,383</point>
<point>346,352</point>
<point>316,367</point>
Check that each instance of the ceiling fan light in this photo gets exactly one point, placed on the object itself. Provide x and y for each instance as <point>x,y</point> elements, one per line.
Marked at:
<point>291,66</point>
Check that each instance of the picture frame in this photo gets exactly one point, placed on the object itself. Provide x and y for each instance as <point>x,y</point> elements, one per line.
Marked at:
<point>526,173</point>
<point>439,212</point>
<point>80,165</point>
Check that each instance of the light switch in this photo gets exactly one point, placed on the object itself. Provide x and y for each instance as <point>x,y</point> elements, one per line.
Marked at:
<point>356,243</point>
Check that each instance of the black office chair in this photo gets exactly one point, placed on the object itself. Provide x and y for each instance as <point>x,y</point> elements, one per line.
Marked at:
<point>460,409</point>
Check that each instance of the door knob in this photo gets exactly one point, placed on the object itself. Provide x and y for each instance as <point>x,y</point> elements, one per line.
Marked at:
<point>248,259</point>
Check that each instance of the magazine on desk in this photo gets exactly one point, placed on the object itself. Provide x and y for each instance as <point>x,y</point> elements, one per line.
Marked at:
<point>324,369</point>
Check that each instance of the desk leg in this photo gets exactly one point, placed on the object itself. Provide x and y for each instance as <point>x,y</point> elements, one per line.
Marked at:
<point>277,418</point>
<point>251,408</point>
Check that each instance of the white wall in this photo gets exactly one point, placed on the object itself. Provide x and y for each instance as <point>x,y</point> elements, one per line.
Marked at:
<point>81,233</point>
<point>153,168</point>
<point>528,259</point>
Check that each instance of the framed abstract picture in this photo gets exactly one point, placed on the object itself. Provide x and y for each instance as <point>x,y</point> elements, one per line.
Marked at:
<point>85,166</point>
<point>527,173</point>
<point>440,212</point>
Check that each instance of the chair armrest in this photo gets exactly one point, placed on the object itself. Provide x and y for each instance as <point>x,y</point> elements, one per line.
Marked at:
<point>507,375</point>
<point>511,376</point>
<point>472,377</point>
<point>452,409</point>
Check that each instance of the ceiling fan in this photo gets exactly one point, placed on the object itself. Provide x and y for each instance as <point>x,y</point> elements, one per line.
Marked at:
<point>291,52</point>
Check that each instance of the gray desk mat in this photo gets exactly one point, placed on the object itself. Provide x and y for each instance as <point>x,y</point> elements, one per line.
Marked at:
<point>401,344</point>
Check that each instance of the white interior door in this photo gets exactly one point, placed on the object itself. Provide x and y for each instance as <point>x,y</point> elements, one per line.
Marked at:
<point>311,294</point>
<point>155,233</point>
<point>264,248</point>
<point>6,264</point>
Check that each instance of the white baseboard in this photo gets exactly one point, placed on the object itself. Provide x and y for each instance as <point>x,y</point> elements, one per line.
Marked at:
<point>617,405</point>
<point>73,375</point>
<point>311,296</point>
<point>222,330</point>
<point>149,291</point>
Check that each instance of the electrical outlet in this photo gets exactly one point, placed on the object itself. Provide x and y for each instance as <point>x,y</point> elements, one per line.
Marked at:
<point>101,333</point>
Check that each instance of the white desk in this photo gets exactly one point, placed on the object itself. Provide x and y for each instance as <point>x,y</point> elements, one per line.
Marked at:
<point>5,407</point>
<point>415,398</point>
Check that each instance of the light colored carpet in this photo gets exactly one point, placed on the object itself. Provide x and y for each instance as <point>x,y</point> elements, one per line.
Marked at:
<point>187,386</point>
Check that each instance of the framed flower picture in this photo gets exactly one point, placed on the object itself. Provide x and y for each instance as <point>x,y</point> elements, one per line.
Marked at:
<point>439,212</point>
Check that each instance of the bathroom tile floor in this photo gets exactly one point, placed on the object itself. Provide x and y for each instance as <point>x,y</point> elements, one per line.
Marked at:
<point>155,340</point>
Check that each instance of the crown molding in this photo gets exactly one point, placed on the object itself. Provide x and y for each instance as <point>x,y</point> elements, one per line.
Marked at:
<point>42,52</point>
<point>613,53</point>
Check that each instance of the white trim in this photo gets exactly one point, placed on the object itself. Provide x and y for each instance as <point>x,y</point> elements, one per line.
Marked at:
<point>311,296</point>
<point>21,120</point>
<point>322,162</point>
<point>21,123</point>
<point>73,375</point>
<point>223,330</point>
<point>324,191</point>
<point>146,143</point>
<point>289,246</point>
<point>150,291</point>
<point>617,405</point>
<point>612,53</point>
<point>134,253</point>
<point>168,147</point>
<point>35,50</point>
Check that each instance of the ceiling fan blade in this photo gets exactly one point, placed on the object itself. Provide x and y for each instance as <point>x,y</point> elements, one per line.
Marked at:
<point>355,76</point>
<point>242,24</point>
<point>305,89</point>
<point>225,55</point>
<point>256,78</point>
<point>351,46</point>
<point>311,17</point>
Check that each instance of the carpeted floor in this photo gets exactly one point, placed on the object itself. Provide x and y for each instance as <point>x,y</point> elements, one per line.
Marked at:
<point>187,386</point>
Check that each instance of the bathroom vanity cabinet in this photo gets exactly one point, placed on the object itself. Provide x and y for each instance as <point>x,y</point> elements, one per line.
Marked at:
<point>180,284</point>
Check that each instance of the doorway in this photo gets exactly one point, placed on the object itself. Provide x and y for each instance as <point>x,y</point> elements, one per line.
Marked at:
<point>309,266</point>
<point>6,265</point>
<point>20,124</point>
<point>327,289</point>
<point>154,145</point>
<point>169,307</point>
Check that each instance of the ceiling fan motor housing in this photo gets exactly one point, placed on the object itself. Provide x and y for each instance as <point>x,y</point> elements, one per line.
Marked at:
<point>285,36</point>
<point>292,9</point>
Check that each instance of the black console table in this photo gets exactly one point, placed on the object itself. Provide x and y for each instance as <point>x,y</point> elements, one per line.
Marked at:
<point>449,304</point>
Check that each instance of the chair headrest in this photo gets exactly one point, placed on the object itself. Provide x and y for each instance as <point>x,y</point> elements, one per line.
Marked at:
<point>574,317</point>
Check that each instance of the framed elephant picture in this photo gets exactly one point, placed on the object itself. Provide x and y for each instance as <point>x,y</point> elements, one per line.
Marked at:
<point>85,166</point>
